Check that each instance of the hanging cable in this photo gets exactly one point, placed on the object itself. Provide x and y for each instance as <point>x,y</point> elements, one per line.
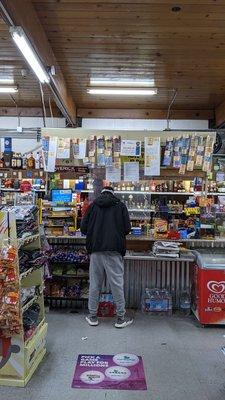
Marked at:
<point>50,108</point>
<point>169,108</point>
<point>43,105</point>
<point>17,110</point>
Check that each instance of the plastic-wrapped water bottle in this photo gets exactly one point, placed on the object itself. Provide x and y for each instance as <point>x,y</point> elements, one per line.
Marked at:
<point>185,303</point>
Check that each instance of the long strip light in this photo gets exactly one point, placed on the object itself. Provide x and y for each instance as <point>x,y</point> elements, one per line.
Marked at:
<point>6,81</point>
<point>8,89</point>
<point>30,55</point>
<point>122,83</point>
<point>122,91</point>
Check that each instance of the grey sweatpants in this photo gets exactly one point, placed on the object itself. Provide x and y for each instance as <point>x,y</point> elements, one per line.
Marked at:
<point>111,264</point>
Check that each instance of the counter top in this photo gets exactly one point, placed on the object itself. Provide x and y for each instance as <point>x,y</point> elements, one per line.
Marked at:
<point>143,238</point>
<point>185,256</point>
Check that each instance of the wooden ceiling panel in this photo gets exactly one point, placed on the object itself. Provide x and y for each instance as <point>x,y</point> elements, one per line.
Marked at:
<point>136,39</point>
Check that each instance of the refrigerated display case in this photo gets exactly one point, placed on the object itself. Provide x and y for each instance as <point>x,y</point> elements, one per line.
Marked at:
<point>208,286</point>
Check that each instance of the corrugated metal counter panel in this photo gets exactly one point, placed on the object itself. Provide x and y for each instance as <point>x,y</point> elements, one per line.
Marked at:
<point>139,274</point>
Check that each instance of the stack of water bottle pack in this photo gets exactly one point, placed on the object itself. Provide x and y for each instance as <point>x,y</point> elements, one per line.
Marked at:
<point>160,302</point>
<point>157,301</point>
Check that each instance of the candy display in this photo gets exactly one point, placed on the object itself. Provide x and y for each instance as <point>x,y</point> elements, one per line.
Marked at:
<point>10,311</point>
<point>69,254</point>
<point>22,313</point>
<point>31,320</point>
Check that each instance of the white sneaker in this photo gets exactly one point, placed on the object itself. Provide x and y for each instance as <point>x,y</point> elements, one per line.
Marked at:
<point>92,320</point>
<point>123,322</point>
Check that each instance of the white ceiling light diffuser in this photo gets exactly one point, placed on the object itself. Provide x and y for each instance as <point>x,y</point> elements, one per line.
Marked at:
<point>8,89</point>
<point>122,91</point>
<point>122,83</point>
<point>29,54</point>
<point>6,81</point>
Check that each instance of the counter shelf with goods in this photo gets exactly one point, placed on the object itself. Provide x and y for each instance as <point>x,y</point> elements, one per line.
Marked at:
<point>59,219</point>
<point>30,339</point>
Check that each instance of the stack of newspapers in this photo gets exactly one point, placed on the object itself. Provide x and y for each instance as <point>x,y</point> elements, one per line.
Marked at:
<point>166,249</point>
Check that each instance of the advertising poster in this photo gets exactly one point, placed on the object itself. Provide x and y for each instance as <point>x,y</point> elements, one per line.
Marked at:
<point>131,148</point>
<point>131,172</point>
<point>63,149</point>
<point>7,144</point>
<point>152,156</point>
<point>49,150</point>
<point>120,372</point>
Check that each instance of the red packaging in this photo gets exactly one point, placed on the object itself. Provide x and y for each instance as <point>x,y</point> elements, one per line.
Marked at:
<point>106,309</point>
<point>208,295</point>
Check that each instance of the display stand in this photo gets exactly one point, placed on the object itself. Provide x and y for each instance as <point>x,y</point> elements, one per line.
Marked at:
<point>20,354</point>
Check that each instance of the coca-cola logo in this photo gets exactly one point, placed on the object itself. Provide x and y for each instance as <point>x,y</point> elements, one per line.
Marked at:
<point>216,287</point>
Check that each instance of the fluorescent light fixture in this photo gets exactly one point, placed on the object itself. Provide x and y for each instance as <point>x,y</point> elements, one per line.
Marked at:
<point>8,89</point>
<point>30,55</point>
<point>123,92</point>
<point>122,83</point>
<point>6,81</point>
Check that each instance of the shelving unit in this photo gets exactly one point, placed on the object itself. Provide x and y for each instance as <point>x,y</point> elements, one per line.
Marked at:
<point>23,352</point>
<point>55,211</point>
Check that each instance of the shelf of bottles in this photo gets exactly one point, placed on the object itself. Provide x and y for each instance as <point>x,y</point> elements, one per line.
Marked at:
<point>20,173</point>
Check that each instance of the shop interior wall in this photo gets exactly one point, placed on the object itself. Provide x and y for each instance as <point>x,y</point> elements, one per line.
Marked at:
<point>142,124</point>
<point>25,145</point>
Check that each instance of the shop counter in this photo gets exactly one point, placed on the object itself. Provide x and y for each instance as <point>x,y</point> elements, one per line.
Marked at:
<point>148,271</point>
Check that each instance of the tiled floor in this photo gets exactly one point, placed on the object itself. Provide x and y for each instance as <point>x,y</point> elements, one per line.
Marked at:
<point>182,360</point>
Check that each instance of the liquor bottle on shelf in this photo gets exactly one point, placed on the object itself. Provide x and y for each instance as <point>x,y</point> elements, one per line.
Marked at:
<point>37,161</point>
<point>24,161</point>
<point>175,187</point>
<point>41,161</point>
<point>31,162</point>
<point>14,161</point>
<point>1,160</point>
<point>7,160</point>
<point>19,161</point>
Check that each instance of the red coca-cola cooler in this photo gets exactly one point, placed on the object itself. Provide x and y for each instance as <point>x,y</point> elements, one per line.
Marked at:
<point>208,286</point>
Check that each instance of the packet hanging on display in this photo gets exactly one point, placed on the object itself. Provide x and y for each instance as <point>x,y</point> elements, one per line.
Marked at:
<point>168,153</point>
<point>92,151</point>
<point>192,153</point>
<point>177,152</point>
<point>100,151</point>
<point>200,151</point>
<point>207,162</point>
<point>116,150</point>
<point>108,151</point>
<point>184,154</point>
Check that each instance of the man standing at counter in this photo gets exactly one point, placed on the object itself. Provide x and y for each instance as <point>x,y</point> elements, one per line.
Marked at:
<point>106,224</point>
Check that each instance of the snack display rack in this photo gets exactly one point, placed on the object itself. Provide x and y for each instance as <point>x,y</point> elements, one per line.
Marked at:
<point>22,318</point>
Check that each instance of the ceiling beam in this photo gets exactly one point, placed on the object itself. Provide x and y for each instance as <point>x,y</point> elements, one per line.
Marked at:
<point>22,13</point>
<point>28,112</point>
<point>143,113</point>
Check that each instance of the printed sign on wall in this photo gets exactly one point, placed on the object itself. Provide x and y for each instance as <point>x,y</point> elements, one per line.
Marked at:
<point>120,372</point>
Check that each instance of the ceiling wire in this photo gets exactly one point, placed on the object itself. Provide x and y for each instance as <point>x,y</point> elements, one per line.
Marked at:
<point>17,110</point>
<point>43,105</point>
<point>169,108</point>
<point>50,108</point>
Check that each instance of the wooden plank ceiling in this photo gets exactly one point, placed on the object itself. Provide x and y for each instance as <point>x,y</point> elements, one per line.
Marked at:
<point>182,50</point>
<point>146,39</point>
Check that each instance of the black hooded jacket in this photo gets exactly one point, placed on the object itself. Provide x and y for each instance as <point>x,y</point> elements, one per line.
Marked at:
<point>106,224</point>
